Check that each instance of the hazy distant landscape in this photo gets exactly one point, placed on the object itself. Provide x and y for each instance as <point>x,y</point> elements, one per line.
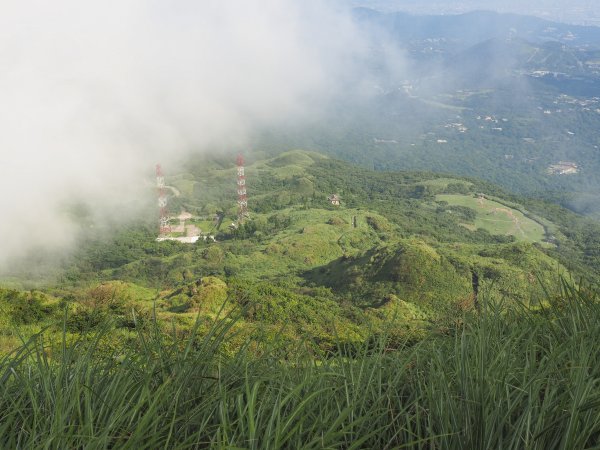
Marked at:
<point>504,102</point>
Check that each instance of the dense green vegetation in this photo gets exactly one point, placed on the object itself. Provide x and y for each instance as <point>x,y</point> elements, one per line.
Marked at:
<point>515,153</point>
<point>510,377</point>
<point>400,252</point>
<point>396,319</point>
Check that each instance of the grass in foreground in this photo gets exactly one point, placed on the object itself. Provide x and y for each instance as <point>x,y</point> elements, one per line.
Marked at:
<point>505,379</point>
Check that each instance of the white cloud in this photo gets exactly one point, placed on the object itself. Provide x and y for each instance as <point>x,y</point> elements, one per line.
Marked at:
<point>93,93</point>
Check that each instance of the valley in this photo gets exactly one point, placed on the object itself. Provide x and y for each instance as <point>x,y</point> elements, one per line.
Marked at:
<point>504,104</point>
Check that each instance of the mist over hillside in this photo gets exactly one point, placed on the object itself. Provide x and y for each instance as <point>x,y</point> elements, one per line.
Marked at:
<point>94,97</point>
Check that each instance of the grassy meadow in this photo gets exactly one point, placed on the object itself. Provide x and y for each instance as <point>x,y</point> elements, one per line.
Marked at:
<point>497,218</point>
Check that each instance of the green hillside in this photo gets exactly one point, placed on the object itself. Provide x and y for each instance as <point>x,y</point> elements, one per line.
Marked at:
<point>409,249</point>
<point>400,318</point>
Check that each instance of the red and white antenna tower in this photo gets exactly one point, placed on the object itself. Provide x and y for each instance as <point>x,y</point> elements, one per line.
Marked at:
<point>164,227</point>
<point>241,190</point>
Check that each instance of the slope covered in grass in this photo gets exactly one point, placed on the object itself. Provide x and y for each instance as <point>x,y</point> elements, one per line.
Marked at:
<point>497,218</point>
<point>510,378</point>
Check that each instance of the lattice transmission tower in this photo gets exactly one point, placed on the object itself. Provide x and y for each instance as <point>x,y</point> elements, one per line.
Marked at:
<point>163,221</point>
<point>241,190</point>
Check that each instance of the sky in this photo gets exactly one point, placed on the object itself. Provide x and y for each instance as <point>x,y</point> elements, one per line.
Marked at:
<point>95,93</point>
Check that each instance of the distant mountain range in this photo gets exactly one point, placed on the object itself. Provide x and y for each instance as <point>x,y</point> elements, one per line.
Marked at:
<point>474,27</point>
<point>581,12</point>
